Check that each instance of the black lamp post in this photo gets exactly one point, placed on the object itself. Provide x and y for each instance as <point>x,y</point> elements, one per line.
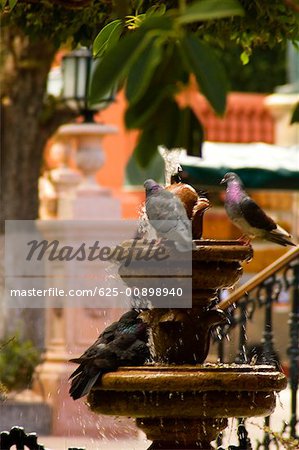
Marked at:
<point>77,68</point>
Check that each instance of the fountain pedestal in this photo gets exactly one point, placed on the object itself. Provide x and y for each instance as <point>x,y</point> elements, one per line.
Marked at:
<point>183,406</point>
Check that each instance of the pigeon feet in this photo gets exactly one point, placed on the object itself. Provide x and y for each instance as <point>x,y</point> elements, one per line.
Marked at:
<point>244,240</point>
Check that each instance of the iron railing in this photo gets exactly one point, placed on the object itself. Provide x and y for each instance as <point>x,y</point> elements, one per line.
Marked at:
<point>17,438</point>
<point>261,293</point>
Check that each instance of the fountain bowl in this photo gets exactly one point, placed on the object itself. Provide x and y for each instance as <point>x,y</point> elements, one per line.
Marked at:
<point>191,401</point>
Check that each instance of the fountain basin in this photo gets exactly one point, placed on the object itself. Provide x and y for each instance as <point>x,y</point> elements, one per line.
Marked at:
<point>215,264</point>
<point>202,391</point>
<point>187,406</point>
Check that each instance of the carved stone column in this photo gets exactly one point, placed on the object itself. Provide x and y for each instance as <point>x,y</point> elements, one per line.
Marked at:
<point>71,328</point>
<point>91,201</point>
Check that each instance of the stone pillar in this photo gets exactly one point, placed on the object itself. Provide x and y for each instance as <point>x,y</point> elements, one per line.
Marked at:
<point>64,178</point>
<point>71,329</point>
<point>90,200</point>
<point>281,107</point>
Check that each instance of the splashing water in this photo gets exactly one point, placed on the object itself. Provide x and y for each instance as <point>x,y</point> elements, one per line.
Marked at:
<point>172,164</point>
<point>144,227</point>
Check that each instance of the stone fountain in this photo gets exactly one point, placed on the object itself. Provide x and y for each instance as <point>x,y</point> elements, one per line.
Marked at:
<point>179,402</point>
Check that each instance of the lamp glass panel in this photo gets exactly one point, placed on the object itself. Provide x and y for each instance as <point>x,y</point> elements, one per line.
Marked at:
<point>82,74</point>
<point>69,77</point>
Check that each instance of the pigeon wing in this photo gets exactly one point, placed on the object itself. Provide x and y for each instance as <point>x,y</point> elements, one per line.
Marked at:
<point>165,209</point>
<point>255,216</point>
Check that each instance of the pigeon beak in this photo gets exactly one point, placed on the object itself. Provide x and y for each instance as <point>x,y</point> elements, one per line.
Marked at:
<point>223,181</point>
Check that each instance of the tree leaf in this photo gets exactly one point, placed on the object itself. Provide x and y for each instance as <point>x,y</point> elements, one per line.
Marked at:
<point>146,148</point>
<point>139,114</point>
<point>210,9</point>
<point>164,84</point>
<point>142,71</point>
<point>196,136</point>
<point>157,22</point>
<point>209,72</point>
<point>156,9</point>
<point>3,4</point>
<point>12,3</point>
<point>168,123</point>
<point>244,58</point>
<point>137,4</point>
<point>161,131</point>
<point>114,36</point>
<point>136,175</point>
<point>115,64</point>
<point>192,134</point>
<point>295,115</point>
<point>107,34</point>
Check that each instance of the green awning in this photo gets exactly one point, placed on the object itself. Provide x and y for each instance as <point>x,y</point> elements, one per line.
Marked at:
<point>260,166</point>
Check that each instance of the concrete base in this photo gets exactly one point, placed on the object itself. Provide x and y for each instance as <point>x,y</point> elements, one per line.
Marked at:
<point>28,411</point>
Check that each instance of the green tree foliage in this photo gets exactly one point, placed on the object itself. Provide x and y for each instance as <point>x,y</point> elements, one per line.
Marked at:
<point>265,70</point>
<point>18,360</point>
<point>158,51</point>
<point>154,46</point>
<point>56,22</point>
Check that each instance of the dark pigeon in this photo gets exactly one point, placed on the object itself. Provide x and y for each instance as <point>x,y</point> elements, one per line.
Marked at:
<point>123,343</point>
<point>248,215</point>
<point>167,214</point>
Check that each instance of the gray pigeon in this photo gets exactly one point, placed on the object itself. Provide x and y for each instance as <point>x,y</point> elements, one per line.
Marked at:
<point>248,215</point>
<point>167,214</point>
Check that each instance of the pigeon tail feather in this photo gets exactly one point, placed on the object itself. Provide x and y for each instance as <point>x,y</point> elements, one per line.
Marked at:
<point>77,371</point>
<point>82,385</point>
<point>280,239</point>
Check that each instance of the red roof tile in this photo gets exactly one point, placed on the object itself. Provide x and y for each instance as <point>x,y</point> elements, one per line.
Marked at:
<point>246,119</point>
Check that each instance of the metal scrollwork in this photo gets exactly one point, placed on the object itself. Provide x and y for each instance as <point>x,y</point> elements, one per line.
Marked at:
<point>276,287</point>
<point>244,441</point>
<point>18,439</point>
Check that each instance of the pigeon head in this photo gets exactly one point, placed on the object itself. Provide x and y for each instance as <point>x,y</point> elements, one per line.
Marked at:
<point>151,187</point>
<point>231,177</point>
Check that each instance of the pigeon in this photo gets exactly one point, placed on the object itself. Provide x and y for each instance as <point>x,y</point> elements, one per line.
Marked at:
<point>168,216</point>
<point>123,343</point>
<point>249,216</point>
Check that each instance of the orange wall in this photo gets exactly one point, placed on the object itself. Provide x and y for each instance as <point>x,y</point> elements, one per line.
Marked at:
<point>118,149</point>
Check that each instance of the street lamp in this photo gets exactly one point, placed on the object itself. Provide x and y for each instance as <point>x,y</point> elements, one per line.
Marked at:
<point>77,69</point>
